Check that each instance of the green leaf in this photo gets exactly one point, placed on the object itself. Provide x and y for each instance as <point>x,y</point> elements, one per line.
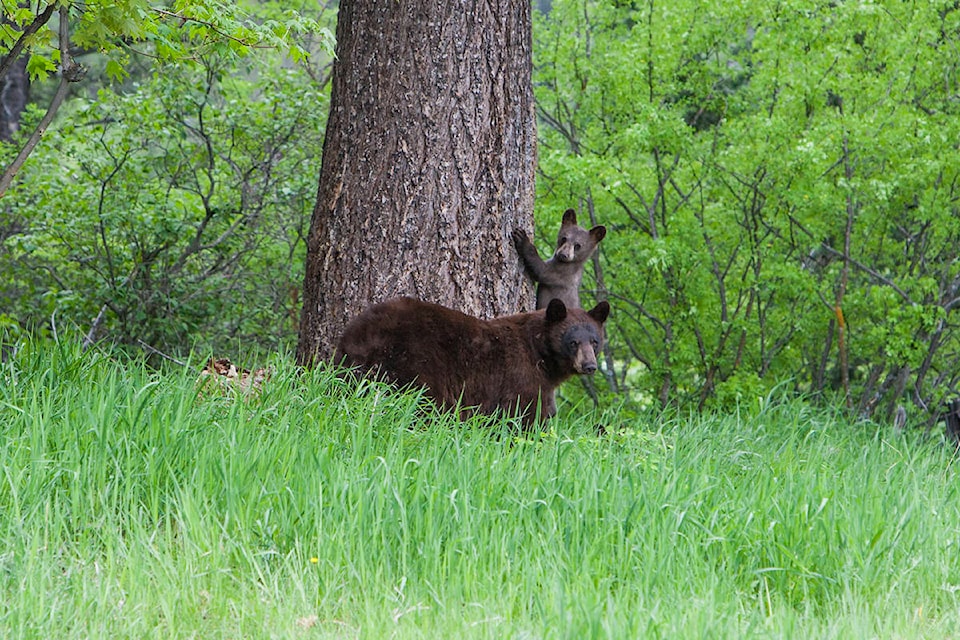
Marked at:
<point>115,70</point>
<point>40,66</point>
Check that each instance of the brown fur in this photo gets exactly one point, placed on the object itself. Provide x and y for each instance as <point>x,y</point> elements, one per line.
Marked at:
<point>511,364</point>
<point>560,276</point>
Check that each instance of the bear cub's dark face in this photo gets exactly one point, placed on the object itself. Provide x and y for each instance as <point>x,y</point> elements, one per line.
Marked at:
<point>574,243</point>
<point>577,342</point>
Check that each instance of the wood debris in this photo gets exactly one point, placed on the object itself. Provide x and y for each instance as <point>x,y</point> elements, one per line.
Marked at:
<point>229,376</point>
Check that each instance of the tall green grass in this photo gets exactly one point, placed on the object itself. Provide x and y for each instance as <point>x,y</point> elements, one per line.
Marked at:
<point>133,505</point>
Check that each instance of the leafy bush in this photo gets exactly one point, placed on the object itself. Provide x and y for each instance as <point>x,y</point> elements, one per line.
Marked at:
<point>173,214</point>
<point>781,185</point>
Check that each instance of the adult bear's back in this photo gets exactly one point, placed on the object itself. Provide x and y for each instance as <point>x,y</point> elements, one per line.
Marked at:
<point>406,337</point>
<point>512,363</point>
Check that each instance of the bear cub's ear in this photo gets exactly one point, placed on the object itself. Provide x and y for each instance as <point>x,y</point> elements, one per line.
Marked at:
<point>600,312</point>
<point>556,311</point>
<point>569,217</point>
<point>598,233</point>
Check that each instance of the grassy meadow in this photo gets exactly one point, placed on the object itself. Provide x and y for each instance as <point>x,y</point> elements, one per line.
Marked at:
<point>133,505</point>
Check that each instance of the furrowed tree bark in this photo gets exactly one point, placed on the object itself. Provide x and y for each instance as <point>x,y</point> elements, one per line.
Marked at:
<point>428,163</point>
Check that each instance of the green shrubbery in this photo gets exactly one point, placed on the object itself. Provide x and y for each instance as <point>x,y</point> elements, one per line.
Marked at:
<point>172,214</point>
<point>764,169</point>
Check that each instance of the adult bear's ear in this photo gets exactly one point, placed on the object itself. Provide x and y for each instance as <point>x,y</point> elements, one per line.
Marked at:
<point>569,217</point>
<point>600,312</point>
<point>556,310</point>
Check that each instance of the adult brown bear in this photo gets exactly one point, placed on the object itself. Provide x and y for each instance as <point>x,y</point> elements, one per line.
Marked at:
<point>511,364</point>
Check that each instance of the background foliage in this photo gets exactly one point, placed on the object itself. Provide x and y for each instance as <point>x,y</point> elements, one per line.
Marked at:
<point>179,207</point>
<point>168,211</point>
<point>780,181</point>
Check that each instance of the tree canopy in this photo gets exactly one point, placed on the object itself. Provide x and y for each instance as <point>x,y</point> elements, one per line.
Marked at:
<point>182,30</point>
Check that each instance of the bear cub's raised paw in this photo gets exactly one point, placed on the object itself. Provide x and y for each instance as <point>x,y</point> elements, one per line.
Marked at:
<point>559,277</point>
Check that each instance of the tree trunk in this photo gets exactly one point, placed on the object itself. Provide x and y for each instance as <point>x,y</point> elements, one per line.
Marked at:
<point>428,163</point>
<point>14,93</point>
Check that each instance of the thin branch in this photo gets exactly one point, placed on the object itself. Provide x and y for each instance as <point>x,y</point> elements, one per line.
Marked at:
<point>878,276</point>
<point>91,337</point>
<point>160,353</point>
<point>70,71</point>
<point>32,28</point>
<point>184,19</point>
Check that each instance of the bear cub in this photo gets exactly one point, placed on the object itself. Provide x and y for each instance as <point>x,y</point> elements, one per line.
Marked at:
<point>559,277</point>
<point>510,364</point>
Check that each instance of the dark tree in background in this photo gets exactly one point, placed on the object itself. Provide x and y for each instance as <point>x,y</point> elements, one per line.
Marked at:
<point>428,163</point>
<point>14,92</point>
<point>14,81</point>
